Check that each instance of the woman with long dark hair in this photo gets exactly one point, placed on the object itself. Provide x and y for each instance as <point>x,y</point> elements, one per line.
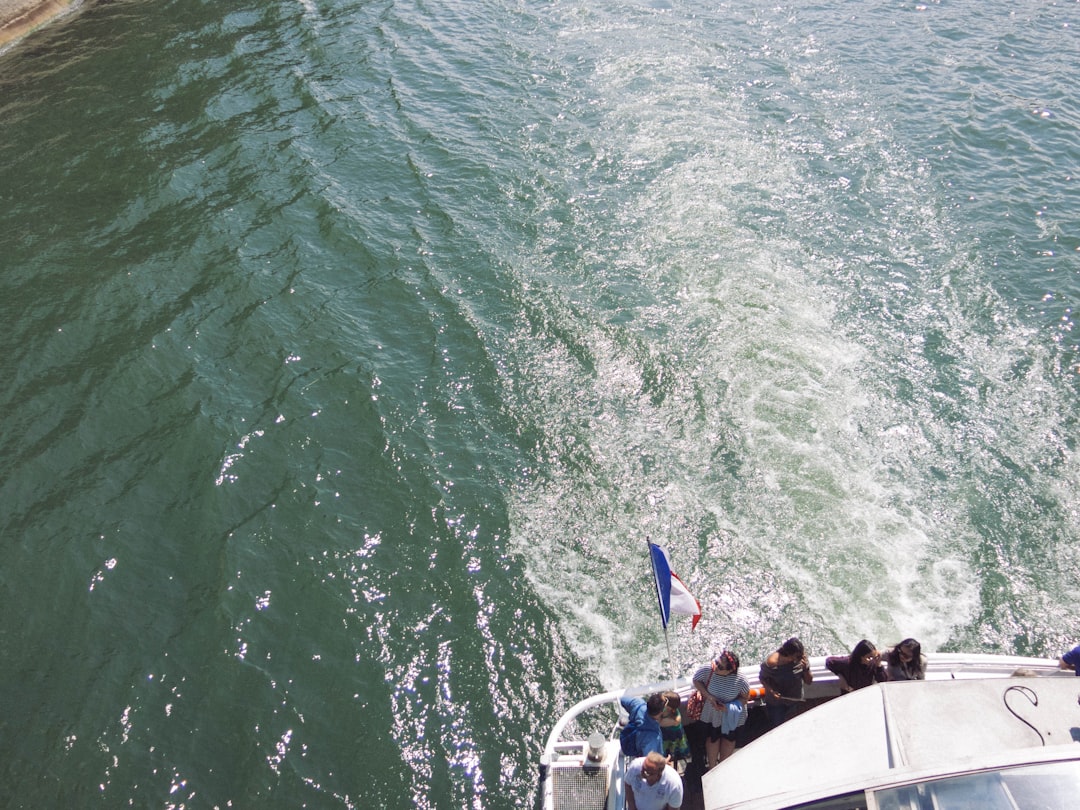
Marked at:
<point>861,668</point>
<point>905,661</point>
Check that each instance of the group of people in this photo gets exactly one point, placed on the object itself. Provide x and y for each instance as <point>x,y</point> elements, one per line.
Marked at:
<point>657,737</point>
<point>659,743</point>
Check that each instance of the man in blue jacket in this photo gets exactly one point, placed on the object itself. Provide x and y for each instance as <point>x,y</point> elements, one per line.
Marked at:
<point>1071,660</point>
<point>642,734</point>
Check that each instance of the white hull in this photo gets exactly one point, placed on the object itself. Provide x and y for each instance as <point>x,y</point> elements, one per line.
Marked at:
<point>569,780</point>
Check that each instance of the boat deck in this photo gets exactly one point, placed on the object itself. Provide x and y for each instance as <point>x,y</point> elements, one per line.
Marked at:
<point>693,798</point>
<point>756,725</point>
<point>566,750</point>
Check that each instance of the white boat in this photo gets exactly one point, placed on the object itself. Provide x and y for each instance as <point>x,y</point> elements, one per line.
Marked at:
<point>974,734</point>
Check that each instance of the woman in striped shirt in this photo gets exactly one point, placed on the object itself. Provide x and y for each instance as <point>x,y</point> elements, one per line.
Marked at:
<point>724,693</point>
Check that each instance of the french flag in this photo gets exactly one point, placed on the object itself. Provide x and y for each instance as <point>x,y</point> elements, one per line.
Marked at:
<point>674,597</point>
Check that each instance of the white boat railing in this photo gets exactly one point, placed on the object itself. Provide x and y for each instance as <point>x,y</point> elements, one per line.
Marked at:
<point>940,666</point>
<point>573,752</point>
<point>682,686</point>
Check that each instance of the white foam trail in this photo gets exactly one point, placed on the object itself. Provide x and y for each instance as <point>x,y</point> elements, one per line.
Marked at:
<point>779,361</point>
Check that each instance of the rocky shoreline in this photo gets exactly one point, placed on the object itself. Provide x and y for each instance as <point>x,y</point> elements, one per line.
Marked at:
<point>19,17</point>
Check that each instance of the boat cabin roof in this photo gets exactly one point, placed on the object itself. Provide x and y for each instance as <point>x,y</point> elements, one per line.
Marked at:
<point>891,732</point>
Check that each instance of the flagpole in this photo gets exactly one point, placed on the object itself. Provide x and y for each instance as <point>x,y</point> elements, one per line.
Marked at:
<point>670,659</point>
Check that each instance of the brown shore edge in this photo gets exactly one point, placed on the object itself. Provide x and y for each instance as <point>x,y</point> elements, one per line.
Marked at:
<point>19,17</point>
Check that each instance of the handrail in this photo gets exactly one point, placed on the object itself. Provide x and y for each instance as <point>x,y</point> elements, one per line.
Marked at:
<point>940,666</point>
<point>680,685</point>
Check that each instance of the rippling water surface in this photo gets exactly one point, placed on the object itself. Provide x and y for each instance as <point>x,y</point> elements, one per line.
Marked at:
<point>351,350</point>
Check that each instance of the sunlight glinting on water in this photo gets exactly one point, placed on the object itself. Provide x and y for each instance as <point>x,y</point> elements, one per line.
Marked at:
<point>353,359</point>
<point>761,354</point>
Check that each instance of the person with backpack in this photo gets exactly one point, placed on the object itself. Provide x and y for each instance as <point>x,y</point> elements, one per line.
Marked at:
<point>642,734</point>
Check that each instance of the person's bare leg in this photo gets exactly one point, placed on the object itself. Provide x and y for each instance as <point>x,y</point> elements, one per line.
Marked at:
<point>727,748</point>
<point>712,753</point>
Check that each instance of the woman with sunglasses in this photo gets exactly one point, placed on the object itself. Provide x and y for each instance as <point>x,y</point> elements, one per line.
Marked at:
<point>724,693</point>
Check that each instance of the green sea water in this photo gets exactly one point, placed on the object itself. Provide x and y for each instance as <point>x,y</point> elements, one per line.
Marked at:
<point>351,350</point>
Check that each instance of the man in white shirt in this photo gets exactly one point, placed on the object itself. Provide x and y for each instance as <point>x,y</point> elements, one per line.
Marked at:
<point>652,784</point>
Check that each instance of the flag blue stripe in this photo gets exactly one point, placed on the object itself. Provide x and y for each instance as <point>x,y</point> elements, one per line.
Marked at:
<point>662,578</point>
